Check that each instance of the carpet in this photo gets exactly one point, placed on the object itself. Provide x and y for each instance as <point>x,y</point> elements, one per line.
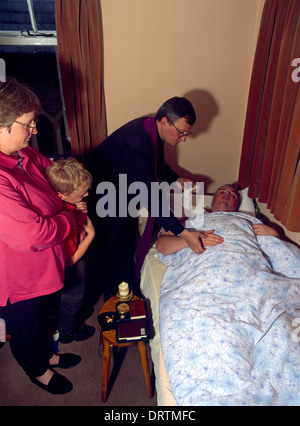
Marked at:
<point>126,384</point>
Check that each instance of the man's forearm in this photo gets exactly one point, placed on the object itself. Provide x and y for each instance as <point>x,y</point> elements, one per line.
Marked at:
<point>169,244</point>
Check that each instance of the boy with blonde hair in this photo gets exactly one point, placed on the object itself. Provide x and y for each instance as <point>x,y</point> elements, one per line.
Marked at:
<point>72,181</point>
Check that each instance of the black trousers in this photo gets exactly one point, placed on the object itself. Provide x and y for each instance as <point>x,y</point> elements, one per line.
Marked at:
<point>27,322</point>
<point>116,237</point>
<point>116,244</point>
<point>72,296</point>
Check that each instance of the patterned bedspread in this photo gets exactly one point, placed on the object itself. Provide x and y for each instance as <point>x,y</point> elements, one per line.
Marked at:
<point>226,318</point>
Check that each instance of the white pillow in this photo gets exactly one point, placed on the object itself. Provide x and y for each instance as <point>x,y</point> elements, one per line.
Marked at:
<point>247,206</point>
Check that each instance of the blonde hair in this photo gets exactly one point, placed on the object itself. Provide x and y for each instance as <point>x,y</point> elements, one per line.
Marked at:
<point>68,175</point>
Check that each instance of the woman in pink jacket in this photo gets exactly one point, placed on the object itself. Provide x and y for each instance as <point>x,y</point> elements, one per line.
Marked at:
<point>33,226</point>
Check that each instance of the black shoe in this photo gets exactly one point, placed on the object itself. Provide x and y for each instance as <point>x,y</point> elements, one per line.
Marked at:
<point>67,361</point>
<point>57,385</point>
<point>82,333</point>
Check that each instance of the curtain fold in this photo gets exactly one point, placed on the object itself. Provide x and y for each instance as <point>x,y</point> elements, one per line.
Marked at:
<point>80,57</point>
<point>269,162</point>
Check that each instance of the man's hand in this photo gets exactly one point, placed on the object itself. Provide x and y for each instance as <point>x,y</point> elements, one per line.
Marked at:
<point>210,239</point>
<point>261,229</point>
<point>199,240</point>
<point>193,239</point>
<point>180,182</point>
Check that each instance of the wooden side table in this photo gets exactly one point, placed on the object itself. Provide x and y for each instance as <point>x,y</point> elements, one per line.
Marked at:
<point>109,340</point>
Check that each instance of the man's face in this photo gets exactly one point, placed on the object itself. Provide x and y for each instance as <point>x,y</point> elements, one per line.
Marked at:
<point>174,133</point>
<point>225,199</point>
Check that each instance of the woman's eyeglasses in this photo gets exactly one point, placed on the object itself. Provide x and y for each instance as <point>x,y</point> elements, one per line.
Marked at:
<point>28,126</point>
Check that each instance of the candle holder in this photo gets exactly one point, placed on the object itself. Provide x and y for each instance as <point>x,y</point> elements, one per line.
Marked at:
<point>124,294</point>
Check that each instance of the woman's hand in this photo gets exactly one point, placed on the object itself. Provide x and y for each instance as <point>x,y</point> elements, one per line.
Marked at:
<point>89,227</point>
<point>88,230</point>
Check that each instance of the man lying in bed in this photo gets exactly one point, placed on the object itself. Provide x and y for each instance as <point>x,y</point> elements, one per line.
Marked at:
<point>226,315</point>
<point>226,198</point>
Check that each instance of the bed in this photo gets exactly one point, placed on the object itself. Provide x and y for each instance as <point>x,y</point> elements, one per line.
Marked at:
<point>199,361</point>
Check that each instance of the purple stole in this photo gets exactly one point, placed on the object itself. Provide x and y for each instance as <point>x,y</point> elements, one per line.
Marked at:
<point>145,240</point>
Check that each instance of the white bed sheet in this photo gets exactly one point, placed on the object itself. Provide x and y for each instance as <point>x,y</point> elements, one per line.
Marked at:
<point>151,277</point>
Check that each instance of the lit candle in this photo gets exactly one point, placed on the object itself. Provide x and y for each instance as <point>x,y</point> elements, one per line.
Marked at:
<point>123,289</point>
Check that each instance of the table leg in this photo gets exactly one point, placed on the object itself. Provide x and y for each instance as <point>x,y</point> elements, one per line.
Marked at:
<point>145,365</point>
<point>105,369</point>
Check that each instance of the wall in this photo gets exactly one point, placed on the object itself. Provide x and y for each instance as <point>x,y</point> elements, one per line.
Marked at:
<point>201,49</point>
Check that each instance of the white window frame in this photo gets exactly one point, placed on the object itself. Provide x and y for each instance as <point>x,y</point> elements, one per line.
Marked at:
<point>27,38</point>
<point>18,38</point>
<point>36,38</point>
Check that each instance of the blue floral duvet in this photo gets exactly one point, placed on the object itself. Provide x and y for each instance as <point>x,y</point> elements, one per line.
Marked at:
<point>227,318</point>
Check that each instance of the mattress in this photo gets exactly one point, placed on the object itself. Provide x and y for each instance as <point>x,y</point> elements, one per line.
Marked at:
<point>151,276</point>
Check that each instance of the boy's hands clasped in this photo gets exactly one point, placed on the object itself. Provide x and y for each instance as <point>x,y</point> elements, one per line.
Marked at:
<point>82,206</point>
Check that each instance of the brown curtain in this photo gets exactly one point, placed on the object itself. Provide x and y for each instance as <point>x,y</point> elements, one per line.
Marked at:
<point>270,154</point>
<point>80,56</point>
